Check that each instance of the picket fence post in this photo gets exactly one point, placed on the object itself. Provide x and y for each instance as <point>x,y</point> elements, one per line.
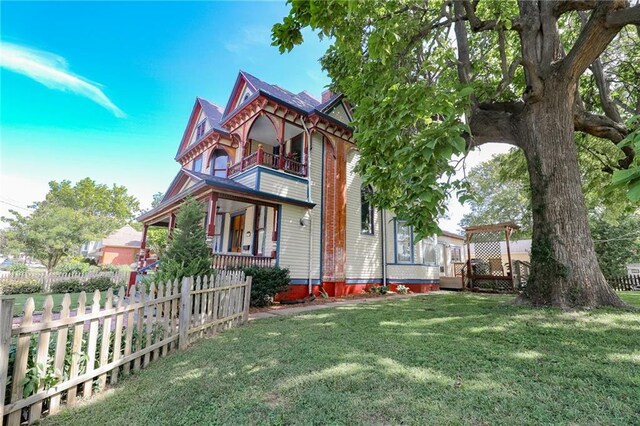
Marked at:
<point>185,313</point>
<point>6,318</point>
<point>247,300</point>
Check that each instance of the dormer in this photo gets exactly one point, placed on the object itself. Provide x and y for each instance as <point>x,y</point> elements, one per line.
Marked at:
<point>203,131</point>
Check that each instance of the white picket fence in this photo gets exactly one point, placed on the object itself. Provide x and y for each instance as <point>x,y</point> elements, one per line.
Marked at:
<point>45,280</point>
<point>80,350</point>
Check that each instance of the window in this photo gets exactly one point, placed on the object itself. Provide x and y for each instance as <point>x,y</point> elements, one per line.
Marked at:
<point>366,210</point>
<point>430,251</point>
<point>404,242</point>
<point>197,164</point>
<point>217,236</point>
<point>260,231</point>
<point>456,254</point>
<point>218,164</point>
<point>200,130</point>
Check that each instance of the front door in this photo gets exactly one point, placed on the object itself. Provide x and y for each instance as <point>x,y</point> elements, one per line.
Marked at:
<point>237,228</point>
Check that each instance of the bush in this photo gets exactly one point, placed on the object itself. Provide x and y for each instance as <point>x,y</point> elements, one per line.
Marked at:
<point>98,283</point>
<point>401,289</point>
<point>379,289</point>
<point>26,286</point>
<point>266,283</point>
<point>73,266</point>
<point>66,286</point>
<point>18,268</point>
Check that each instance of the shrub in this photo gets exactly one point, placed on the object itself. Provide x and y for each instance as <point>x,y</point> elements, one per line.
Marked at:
<point>73,266</point>
<point>18,268</point>
<point>98,283</point>
<point>379,289</point>
<point>25,286</point>
<point>401,289</point>
<point>66,286</point>
<point>266,282</point>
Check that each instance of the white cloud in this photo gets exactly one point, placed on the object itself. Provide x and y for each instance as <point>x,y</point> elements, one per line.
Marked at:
<point>249,36</point>
<point>52,71</point>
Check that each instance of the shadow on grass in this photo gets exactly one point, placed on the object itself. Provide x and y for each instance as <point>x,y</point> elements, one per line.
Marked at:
<point>439,359</point>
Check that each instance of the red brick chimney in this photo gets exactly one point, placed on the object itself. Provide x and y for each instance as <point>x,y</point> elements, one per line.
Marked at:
<point>326,95</point>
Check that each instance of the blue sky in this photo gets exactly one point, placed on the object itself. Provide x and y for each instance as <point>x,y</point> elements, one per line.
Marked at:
<point>105,89</point>
<point>150,61</point>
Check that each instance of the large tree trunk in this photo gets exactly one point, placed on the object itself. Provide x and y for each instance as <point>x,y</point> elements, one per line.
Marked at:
<point>564,267</point>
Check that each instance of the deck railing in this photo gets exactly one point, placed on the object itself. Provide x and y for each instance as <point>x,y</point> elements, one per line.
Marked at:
<point>237,261</point>
<point>262,158</point>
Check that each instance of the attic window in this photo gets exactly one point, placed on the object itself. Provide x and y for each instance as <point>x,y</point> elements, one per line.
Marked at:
<point>246,96</point>
<point>200,130</point>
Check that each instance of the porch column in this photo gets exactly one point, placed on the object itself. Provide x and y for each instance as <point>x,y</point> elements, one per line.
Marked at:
<point>260,154</point>
<point>172,224</point>
<point>142,255</point>
<point>276,231</point>
<point>143,244</point>
<point>281,141</point>
<point>211,225</point>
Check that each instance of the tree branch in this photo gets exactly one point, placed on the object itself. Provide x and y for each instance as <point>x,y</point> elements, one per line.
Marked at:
<point>492,123</point>
<point>561,7</point>
<point>620,18</point>
<point>608,106</point>
<point>595,36</point>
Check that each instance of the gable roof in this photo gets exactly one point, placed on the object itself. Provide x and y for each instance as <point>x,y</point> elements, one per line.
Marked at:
<point>126,236</point>
<point>213,115</point>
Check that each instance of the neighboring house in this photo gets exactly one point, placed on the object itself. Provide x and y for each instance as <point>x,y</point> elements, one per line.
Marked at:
<point>119,248</point>
<point>275,172</point>
<point>451,257</point>
<point>633,269</point>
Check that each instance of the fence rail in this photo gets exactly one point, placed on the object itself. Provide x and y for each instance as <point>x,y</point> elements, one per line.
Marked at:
<point>626,283</point>
<point>45,280</point>
<point>72,354</point>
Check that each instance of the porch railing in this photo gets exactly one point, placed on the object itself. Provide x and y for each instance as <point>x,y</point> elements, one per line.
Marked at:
<point>237,261</point>
<point>269,160</point>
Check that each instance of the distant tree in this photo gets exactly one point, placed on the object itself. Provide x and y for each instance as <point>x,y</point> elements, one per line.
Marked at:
<point>617,243</point>
<point>157,199</point>
<point>187,254</point>
<point>69,216</point>
<point>157,240</point>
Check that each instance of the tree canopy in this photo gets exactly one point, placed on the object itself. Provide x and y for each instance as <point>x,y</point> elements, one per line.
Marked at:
<point>69,216</point>
<point>429,80</point>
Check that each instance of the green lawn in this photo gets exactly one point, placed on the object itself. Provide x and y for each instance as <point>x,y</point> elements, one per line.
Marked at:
<point>437,359</point>
<point>38,300</point>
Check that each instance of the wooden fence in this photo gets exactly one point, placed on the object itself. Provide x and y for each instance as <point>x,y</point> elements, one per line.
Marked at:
<point>45,280</point>
<point>70,355</point>
<point>627,283</point>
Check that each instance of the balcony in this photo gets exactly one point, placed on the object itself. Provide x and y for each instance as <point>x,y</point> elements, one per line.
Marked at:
<point>262,158</point>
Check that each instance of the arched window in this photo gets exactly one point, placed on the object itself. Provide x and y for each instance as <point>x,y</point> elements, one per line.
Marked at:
<point>218,165</point>
<point>366,210</point>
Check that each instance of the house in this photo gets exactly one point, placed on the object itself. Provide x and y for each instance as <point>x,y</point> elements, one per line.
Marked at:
<point>452,255</point>
<point>119,248</point>
<point>275,173</point>
<point>633,269</point>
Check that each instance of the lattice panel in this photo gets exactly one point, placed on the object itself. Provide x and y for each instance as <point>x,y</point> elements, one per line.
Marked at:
<point>488,254</point>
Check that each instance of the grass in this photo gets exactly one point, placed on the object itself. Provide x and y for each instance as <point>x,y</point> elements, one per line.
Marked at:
<point>38,300</point>
<point>437,359</point>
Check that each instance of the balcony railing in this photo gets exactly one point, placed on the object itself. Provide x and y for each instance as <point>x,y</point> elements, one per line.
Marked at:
<point>269,160</point>
<point>237,261</point>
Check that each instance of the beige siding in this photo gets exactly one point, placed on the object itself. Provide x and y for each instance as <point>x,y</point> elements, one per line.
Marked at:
<point>406,271</point>
<point>192,137</point>
<point>249,179</point>
<point>294,243</point>
<point>283,186</point>
<point>364,255</point>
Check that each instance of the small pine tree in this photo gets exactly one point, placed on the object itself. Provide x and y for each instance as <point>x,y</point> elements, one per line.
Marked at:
<point>187,254</point>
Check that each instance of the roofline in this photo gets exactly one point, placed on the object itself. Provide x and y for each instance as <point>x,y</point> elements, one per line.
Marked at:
<point>230,188</point>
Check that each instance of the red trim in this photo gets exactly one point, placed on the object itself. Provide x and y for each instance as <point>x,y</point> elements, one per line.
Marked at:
<point>339,289</point>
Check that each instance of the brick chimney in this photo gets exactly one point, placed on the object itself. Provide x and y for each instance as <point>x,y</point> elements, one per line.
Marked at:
<point>326,95</point>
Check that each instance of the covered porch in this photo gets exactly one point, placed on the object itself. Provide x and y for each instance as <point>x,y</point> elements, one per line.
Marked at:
<point>242,225</point>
